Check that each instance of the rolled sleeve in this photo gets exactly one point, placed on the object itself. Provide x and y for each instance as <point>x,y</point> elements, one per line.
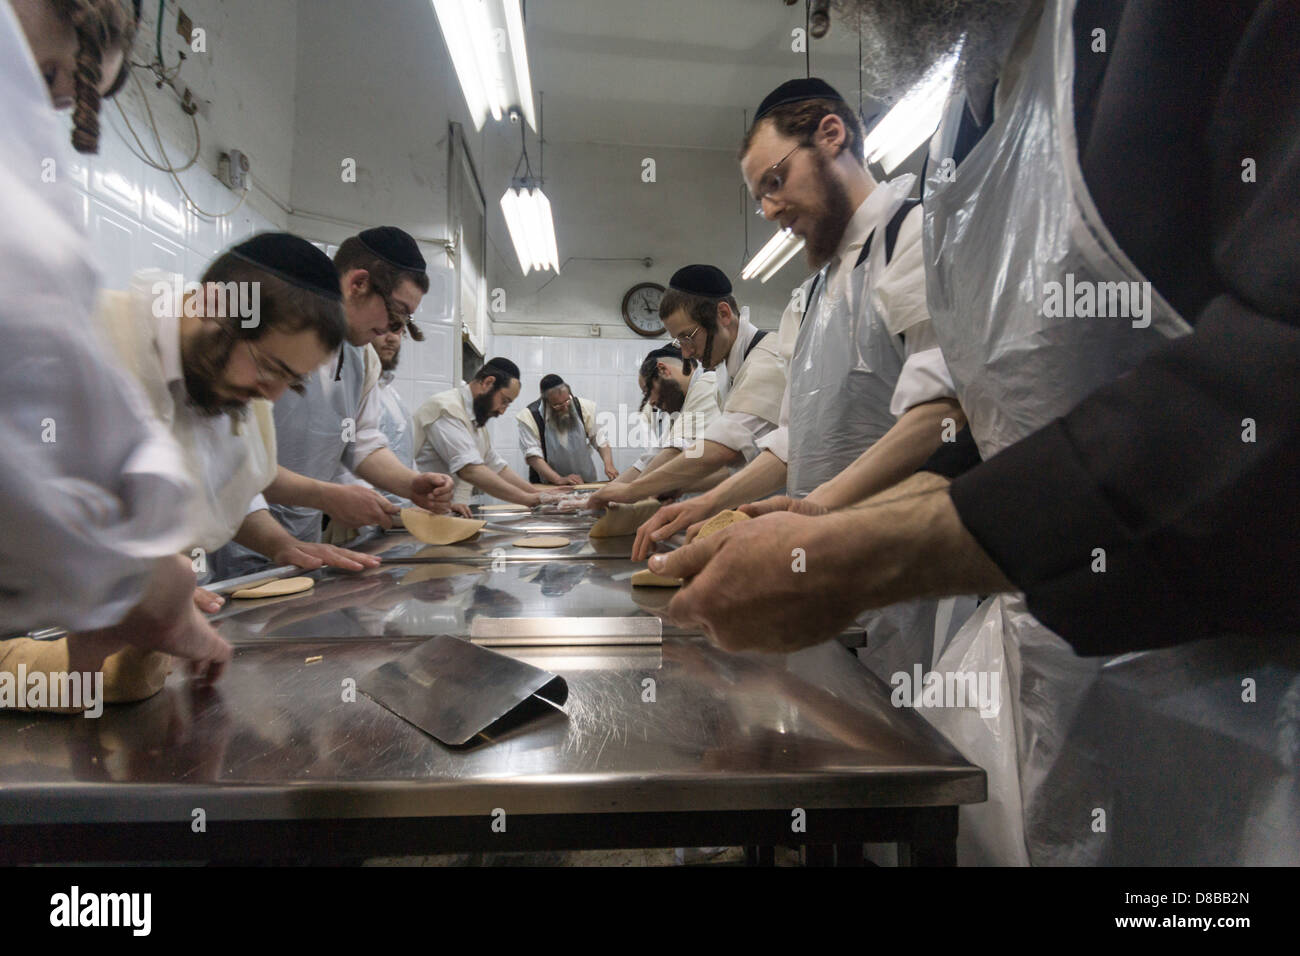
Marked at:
<point>453,443</point>
<point>529,441</point>
<point>739,432</point>
<point>924,378</point>
<point>777,441</point>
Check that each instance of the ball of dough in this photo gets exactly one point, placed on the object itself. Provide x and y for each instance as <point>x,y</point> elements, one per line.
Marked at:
<point>723,519</point>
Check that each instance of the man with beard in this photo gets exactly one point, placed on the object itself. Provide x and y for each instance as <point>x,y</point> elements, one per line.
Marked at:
<point>334,422</point>
<point>452,436</point>
<point>211,374</point>
<point>1132,497</point>
<point>687,393</point>
<point>705,320</point>
<point>868,399</point>
<point>556,435</point>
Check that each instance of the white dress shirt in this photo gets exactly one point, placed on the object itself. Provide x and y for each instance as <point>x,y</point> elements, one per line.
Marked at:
<point>92,489</point>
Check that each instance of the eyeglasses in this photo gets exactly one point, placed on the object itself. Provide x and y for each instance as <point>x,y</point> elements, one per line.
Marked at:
<point>273,370</point>
<point>688,338</point>
<point>399,316</point>
<point>772,180</point>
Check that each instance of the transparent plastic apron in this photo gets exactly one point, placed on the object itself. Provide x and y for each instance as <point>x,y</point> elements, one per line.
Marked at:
<point>1090,760</point>
<point>395,424</point>
<point>843,373</point>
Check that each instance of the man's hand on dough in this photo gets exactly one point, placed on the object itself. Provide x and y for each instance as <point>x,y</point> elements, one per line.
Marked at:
<point>312,555</point>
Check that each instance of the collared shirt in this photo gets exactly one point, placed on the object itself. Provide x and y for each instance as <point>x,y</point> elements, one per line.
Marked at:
<point>735,428</point>
<point>450,446</point>
<point>530,442</point>
<point>699,411</point>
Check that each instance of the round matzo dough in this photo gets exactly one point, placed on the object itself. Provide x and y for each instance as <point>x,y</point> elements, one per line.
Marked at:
<point>276,588</point>
<point>723,519</point>
<point>541,541</point>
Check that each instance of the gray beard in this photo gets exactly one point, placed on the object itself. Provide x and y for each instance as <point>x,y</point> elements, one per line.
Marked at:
<point>562,423</point>
<point>903,39</point>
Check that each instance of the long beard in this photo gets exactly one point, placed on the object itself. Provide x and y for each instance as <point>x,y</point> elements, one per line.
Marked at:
<point>563,423</point>
<point>203,366</point>
<point>483,408</point>
<point>903,39</point>
<point>671,396</point>
<point>829,224</point>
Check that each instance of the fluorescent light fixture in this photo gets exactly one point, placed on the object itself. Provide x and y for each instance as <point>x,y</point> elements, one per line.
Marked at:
<point>913,119</point>
<point>532,230</point>
<point>780,249</point>
<point>488,49</point>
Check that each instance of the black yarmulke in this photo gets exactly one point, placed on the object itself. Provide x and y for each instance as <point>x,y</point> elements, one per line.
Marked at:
<point>708,281</point>
<point>795,91</point>
<point>395,246</point>
<point>293,259</point>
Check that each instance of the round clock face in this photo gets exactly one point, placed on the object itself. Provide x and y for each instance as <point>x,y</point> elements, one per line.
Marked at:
<point>641,309</point>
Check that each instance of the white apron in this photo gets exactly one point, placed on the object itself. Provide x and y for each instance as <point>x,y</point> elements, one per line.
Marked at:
<point>843,373</point>
<point>1148,758</point>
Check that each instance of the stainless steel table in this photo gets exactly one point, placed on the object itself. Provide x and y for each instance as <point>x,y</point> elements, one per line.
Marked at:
<point>676,745</point>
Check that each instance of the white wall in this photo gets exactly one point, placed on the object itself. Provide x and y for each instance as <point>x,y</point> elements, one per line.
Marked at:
<point>136,216</point>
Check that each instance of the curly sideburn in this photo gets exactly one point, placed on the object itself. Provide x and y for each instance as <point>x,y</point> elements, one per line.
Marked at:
<point>101,26</point>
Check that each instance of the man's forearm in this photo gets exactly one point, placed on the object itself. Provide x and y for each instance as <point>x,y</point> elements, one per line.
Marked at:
<point>489,482</point>
<point>897,455</point>
<point>385,470</point>
<point>763,476</point>
<point>291,488</point>
<point>684,470</point>
<point>606,456</point>
<point>520,482</point>
<point>262,533</point>
<point>547,473</point>
<point>909,542</point>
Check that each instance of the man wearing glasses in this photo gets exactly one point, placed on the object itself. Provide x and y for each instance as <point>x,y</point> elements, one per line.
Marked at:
<point>701,313</point>
<point>211,374</point>
<point>335,422</point>
<point>869,397</point>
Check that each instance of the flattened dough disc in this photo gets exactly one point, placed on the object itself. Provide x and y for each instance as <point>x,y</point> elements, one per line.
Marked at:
<point>276,588</point>
<point>624,519</point>
<point>645,578</point>
<point>439,529</point>
<point>501,508</point>
<point>723,519</point>
<point>541,541</point>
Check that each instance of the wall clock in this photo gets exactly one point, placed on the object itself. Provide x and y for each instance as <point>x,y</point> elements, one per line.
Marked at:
<point>641,309</point>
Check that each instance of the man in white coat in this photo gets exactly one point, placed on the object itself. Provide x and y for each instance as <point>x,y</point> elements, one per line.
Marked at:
<point>557,434</point>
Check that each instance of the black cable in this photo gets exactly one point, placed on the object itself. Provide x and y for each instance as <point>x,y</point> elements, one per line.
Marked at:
<point>807,39</point>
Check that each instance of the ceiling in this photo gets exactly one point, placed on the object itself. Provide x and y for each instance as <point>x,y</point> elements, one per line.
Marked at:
<point>672,72</point>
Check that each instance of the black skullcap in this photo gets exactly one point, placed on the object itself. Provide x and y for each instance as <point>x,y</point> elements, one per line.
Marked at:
<point>550,381</point>
<point>293,259</point>
<point>395,246</point>
<point>499,367</point>
<point>796,91</point>
<point>708,281</point>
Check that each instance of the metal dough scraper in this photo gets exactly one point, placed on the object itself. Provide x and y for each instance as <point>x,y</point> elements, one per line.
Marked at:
<point>453,690</point>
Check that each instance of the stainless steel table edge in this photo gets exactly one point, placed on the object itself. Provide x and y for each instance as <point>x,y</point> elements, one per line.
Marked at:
<point>558,795</point>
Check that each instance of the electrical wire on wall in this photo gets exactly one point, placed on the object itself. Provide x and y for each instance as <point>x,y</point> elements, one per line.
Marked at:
<point>165,75</point>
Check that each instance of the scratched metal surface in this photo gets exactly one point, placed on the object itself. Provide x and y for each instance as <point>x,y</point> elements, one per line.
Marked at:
<point>277,740</point>
<point>423,600</point>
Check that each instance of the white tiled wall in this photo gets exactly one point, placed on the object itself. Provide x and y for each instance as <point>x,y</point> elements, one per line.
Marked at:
<point>137,218</point>
<point>602,370</point>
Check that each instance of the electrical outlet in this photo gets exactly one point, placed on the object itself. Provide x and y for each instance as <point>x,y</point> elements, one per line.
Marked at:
<point>184,26</point>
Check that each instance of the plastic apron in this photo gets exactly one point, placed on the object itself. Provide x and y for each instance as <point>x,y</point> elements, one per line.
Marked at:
<point>1143,758</point>
<point>843,373</point>
<point>568,451</point>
